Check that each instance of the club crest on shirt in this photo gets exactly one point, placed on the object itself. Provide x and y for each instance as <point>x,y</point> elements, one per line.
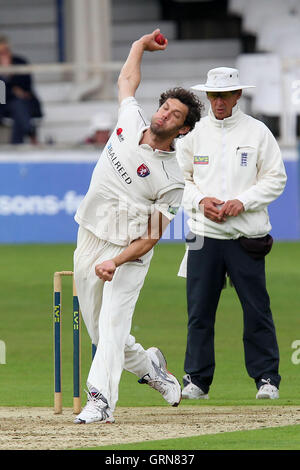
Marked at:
<point>119,132</point>
<point>244,159</point>
<point>201,160</point>
<point>143,170</point>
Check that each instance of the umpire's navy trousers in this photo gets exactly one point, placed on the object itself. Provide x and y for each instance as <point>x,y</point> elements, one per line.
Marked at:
<point>206,269</point>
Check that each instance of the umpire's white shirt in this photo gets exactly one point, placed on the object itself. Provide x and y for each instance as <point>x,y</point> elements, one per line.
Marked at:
<point>129,182</point>
<point>234,158</point>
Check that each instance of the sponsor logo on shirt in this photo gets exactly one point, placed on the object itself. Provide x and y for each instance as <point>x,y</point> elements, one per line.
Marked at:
<point>173,210</point>
<point>119,132</point>
<point>201,160</point>
<point>143,170</point>
<point>244,159</point>
<point>117,165</point>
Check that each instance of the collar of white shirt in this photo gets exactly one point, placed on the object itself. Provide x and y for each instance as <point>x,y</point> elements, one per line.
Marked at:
<point>227,122</point>
<point>157,152</point>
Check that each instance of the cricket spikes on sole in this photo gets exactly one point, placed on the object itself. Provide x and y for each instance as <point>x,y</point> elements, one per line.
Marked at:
<point>192,391</point>
<point>267,391</point>
<point>96,410</point>
<point>161,379</point>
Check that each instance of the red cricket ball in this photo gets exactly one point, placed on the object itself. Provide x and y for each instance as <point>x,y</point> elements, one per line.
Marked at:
<point>160,39</point>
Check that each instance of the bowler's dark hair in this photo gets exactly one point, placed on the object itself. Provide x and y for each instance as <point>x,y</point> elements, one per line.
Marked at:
<point>189,99</point>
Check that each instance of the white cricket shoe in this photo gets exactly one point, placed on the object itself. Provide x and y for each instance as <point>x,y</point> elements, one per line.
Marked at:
<point>267,391</point>
<point>192,391</point>
<point>96,409</point>
<point>161,379</point>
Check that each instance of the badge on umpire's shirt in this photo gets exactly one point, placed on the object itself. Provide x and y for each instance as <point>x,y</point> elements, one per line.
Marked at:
<point>244,159</point>
<point>201,160</point>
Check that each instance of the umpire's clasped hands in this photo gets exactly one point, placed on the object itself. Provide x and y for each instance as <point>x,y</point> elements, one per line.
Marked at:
<point>218,211</point>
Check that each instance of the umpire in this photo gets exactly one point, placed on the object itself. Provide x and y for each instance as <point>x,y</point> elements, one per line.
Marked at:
<point>233,170</point>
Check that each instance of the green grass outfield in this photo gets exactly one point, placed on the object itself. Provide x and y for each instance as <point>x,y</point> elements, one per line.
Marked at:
<point>281,438</point>
<point>26,278</point>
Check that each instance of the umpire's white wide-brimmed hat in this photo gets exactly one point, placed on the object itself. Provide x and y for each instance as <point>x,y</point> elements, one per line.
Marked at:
<point>222,79</point>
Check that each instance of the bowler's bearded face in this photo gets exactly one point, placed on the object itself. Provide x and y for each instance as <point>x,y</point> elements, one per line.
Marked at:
<point>169,119</point>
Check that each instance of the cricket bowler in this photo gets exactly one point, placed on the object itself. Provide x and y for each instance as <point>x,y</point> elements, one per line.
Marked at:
<point>135,191</point>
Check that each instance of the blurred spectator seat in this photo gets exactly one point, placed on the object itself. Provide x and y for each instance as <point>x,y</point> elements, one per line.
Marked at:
<point>277,92</point>
<point>263,71</point>
<point>257,12</point>
<point>237,6</point>
<point>280,33</point>
<point>6,125</point>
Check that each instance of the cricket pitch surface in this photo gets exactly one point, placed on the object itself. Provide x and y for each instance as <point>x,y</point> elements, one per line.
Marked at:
<point>41,429</point>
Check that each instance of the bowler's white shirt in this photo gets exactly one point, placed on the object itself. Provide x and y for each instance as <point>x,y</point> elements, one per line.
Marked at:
<point>129,182</point>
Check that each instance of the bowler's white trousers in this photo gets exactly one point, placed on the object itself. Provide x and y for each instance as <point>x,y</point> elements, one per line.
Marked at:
<point>107,310</point>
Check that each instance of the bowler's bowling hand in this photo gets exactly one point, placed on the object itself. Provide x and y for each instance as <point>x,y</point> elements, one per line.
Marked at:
<point>106,270</point>
<point>150,44</point>
<point>232,208</point>
<point>211,207</point>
